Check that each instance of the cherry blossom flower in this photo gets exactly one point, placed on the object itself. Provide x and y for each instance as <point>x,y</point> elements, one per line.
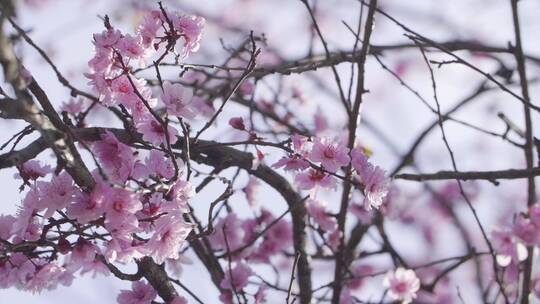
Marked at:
<point>73,106</point>
<point>179,195</point>
<point>177,99</point>
<point>374,179</point>
<point>317,210</point>
<point>148,29</point>
<point>334,239</point>
<point>231,226</point>
<point>88,206</point>
<point>120,207</point>
<point>140,293</point>
<point>26,212</point>
<point>176,266</point>
<point>320,121</point>
<point>526,231</point>
<point>312,178</point>
<point>250,190</point>
<point>190,27</point>
<point>159,165</point>
<point>292,163</point>
<point>6,224</point>
<point>168,239</point>
<point>280,232</point>
<point>116,158</point>
<point>359,271</point>
<point>153,132</point>
<point>130,47</point>
<point>82,253</point>
<point>107,38</point>
<point>246,88</point>
<point>56,194</point>
<point>402,285</point>
<point>32,170</point>
<point>331,155</point>
<point>204,107</point>
<point>237,277</point>
<point>534,214</point>
<point>122,251</point>
<point>47,278</point>
<point>376,188</point>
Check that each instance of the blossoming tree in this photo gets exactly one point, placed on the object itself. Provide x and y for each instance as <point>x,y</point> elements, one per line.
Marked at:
<point>117,195</point>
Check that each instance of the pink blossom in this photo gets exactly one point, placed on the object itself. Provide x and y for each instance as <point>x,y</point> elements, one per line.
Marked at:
<point>120,208</point>
<point>179,195</point>
<point>260,295</point>
<point>168,239</point>
<point>317,210</point>
<point>237,277</point>
<point>312,178</point>
<point>250,190</point>
<point>107,38</point>
<point>153,132</point>
<point>18,272</point>
<point>176,266</point>
<point>177,99</point>
<point>159,165</point>
<point>122,251</point>
<point>82,253</point>
<point>121,92</point>
<point>246,88</point>
<point>534,214</point>
<point>116,158</point>
<point>234,232</point>
<point>73,106</point>
<point>140,293</point>
<point>402,284</point>
<point>148,29</point>
<point>331,155</point>
<point>56,194</point>
<point>130,47</point>
<point>299,143</point>
<point>320,121</point>
<point>359,271</point>
<point>204,107</point>
<point>280,232</point>
<point>32,170</point>
<point>376,188</point>
<point>359,161</point>
<point>190,27</point>
<point>292,163</point>
<point>88,206</point>
<point>526,231</point>
<point>6,224</point>
<point>47,278</point>
<point>375,182</point>
<point>507,248</point>
<point>334,239</point>
<point>26,212</point>
<point>237,123</point>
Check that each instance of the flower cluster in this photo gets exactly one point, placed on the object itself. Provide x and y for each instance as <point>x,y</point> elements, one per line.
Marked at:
<point>112,76</point>
<point>137,205</point>
<point>316,164</point>
<point>510,242</point>
<point>125,216</point>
